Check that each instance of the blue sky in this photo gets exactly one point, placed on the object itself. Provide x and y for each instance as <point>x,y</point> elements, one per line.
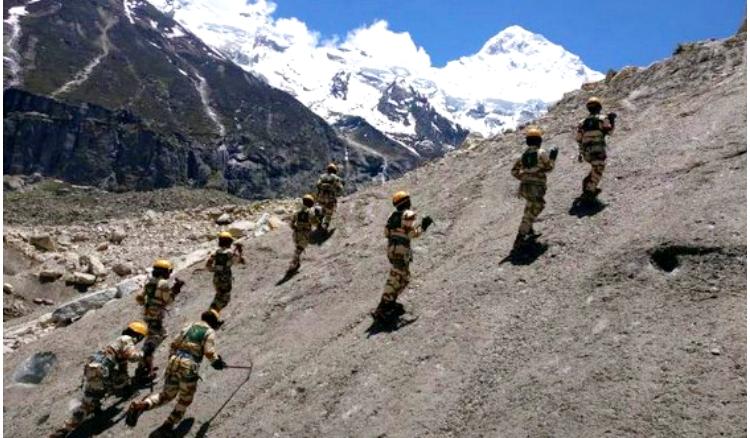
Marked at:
<point>606,34</point>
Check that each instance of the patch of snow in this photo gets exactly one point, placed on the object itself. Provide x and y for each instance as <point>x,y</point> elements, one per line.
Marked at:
<point>202,88</point>
<point>129,6</point>
<point>14,58</point>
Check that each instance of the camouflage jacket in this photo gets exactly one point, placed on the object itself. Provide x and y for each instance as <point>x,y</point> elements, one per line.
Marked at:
<point>304,220</point>
<point>196,340</point>
<point>221,261</point>
<point>402,227</point>
<point>329,186</point>
<point>592,130</point>
<point>533,166</point>
<point>155,297</point>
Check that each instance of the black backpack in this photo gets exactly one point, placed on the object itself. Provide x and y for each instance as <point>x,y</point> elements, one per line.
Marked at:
<point>592,123</point>
<point>530,159</point>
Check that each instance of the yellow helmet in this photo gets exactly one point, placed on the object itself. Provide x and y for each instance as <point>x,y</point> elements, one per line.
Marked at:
<point>215,312</point>
<point>533,131</point>
<point>308,200</point>
<point>139,327</point>
<point>226,235</point>
<point>400,197</point>
<point>593,101</point>
<point>163,264</point>
<point>332,168</point>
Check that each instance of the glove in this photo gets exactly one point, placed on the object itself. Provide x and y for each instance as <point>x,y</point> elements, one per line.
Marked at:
<point>426,222</point>
<point>553,154</point>
<point>612,117</point>
<point>239,247</point>
<point>580,158</point>
<point>177,288</point>
<point>218,364</point>
<point>318,211</point>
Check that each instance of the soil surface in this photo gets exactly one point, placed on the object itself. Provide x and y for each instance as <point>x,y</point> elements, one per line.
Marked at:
<point>628,320</point>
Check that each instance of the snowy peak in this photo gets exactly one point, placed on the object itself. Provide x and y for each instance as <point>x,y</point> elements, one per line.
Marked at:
<point>373,70</point>
<point>513,39</point>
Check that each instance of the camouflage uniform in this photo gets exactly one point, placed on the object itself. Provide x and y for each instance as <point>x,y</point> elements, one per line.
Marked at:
<point>303,222</point>
<point>104,373</point>
<point>329,187</point>
<point>592,145</point>
<point>531,169</point>
<point>156,295</point>
<point>399,231</point>
<point>181,377</point>
<point>220,263</point>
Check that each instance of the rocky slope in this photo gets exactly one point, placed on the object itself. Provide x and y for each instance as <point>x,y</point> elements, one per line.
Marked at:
<point>117,95</point>
<point>629,321</point>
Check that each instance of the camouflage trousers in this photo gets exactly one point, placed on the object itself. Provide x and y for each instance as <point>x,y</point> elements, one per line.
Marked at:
<point>97,384</point>
<point>156,335</point>
<point>301,241</point>
<point>181,381</point>
<point>534,196</point>
<point>597,158</point>
<point>223,288</point>
<point>329,207</point>
<point>399,276</point>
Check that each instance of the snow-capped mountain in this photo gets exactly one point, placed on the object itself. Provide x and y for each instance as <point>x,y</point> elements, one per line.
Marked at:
<point>383,77</point>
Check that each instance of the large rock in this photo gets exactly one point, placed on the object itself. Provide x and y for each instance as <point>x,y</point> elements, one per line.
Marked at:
<point>43,242</point>
<point>73,310</point>
<point>35,368</point>
<point>122,269</point>
<point>127,287</point>
<point>49,275</point>
<point>275,222</point>
<point>81,279</point>
<point>224,219</point>
<point>92,265</point>
<point>117,235</point>
<point>241,228</point>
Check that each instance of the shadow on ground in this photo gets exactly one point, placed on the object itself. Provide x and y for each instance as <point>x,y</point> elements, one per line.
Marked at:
<point>583,207</point>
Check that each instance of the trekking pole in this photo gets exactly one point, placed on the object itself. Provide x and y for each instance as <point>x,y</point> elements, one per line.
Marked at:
<point>240,367</point>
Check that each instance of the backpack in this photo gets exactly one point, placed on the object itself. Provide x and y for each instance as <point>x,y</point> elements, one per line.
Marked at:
<point>530,159</point>
<point>150,294</point>
<point>394,221</point>
<point>221,260</point>
<point>592,123</point>
<point>196,334</point>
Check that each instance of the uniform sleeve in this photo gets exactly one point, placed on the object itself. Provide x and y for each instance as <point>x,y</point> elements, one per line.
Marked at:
<point>545,163</point>
<point>607,127</point>
<point>209,348</point>
<point>320,181</point>
<point>579,133</point>
<point>517,170</point>
<point>132,354</point>
<point>165,291</point>
<point>414,230</point>
<point>339,185</point>
<point>314,219</point>
<point>236,257</point>
<point>140,297</point>
<point>210,262</point>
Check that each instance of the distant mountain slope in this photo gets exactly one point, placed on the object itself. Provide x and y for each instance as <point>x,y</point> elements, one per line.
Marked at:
<point>509,80</point>
<point>248,137</point>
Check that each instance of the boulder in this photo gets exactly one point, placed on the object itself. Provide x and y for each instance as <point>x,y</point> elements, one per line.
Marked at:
<point>102,246</point>
<point>117,235</point>
<point>127,287</point>
<point>81,279</point>
<point>50,275</point>
<point>224,219</point>
<point>92,265</point>
<point>262,227</point>
<point>35,368</point>
<point>122,269</point>
<point>7,288</point>
<point>150,216</point>
<point>73,310</point>
<point>275,222</point>
<point>240,228</point>
<point>43,242</point>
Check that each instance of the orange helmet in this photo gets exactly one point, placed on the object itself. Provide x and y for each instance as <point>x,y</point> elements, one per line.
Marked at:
<point>533,131</point>
<point>400,197</point>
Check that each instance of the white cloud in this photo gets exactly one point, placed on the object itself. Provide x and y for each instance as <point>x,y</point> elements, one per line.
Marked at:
<point>387,47</point>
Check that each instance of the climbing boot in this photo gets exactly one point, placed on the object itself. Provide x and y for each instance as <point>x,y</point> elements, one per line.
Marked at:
<point>135,410</point>
<point>60,433</point>
<point>518,243</point>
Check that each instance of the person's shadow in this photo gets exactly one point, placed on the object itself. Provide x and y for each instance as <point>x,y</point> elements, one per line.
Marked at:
<point>395,320</point>
<point>101,421</point>
<point>526,254</point>
<point>583,207</point>
<point>319,236</point>
<point>180,431</point>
